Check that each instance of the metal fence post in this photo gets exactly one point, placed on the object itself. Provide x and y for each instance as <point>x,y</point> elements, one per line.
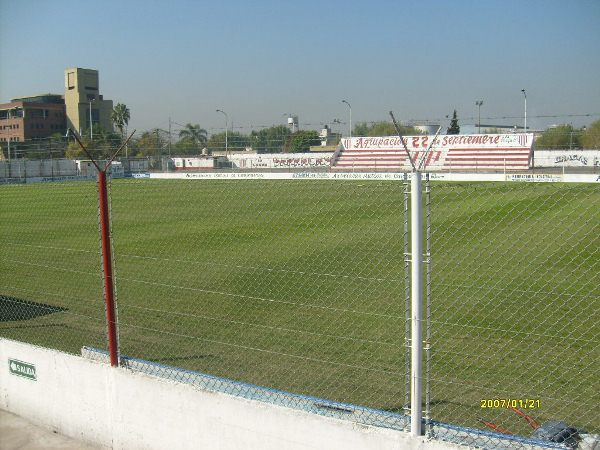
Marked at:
<point>107,268</point>
<point>417,313</point>
<point>109,291</point>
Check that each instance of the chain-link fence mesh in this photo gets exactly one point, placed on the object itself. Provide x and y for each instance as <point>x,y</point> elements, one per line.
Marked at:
<point>299,286</point>
<point>50,270</point>
<point>293,285</point>
<point>515,305</point>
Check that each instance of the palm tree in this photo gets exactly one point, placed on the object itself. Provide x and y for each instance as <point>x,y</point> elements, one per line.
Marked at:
<point>120,117</point>
<point>194,134</point>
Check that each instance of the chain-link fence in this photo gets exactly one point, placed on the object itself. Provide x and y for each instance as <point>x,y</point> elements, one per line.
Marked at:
<point>50,271</point>
<point>300,286</point>
<point>293,285</point>
<point>515,305</point>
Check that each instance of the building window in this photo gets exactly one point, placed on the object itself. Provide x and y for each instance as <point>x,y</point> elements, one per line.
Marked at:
<point>71,80</point>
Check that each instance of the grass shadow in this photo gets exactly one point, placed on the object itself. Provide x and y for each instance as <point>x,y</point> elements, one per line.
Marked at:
<point>12,309</point>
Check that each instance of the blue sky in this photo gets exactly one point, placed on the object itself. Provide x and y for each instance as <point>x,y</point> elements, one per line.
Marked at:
<point>258,60</point>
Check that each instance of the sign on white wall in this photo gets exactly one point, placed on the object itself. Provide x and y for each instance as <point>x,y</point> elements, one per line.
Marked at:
<point>281,160</point>
<point>450,152</point>
<point>22,369</point>
<point>567,158</point>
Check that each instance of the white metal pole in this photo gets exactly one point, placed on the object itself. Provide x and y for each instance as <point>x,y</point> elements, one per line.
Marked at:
<point>525,112</point>
<point>91,124</point>
<point>226,127</point>
<point>417,310</point>
<point>350,107</point>
<point>525,124</point>
<point>350,121</point>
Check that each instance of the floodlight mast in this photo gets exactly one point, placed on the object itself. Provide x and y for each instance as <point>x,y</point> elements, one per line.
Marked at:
<point>111,313</point>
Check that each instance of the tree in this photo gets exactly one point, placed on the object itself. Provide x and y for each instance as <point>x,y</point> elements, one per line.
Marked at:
<point>235,141</point>
<point>382,129</point>
<point>591,136</point>
<point>104,144</point>
<point>194,135</point>
<point>186,147</point>
<point>150,143</point>
<point>270,140</point>
<point>493,130</point>
<point>454,128</point>
<point>301,140</point>
<point>120,117</point>
<point>559,137</point>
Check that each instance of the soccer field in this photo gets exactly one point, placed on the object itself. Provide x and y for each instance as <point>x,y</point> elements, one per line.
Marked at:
<point>299,286</point>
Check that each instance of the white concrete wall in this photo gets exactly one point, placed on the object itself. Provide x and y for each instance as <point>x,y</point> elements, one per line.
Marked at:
<point>20,168</point>
<point>566,158</point>
<point>121,409</point>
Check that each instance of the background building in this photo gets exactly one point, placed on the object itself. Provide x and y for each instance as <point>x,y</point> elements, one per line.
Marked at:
<point>84,104</point>
<point>33,117</point>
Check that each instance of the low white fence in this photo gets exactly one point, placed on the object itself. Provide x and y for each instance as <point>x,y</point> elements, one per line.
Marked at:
<point>28,168</point>
<point>122,409</point>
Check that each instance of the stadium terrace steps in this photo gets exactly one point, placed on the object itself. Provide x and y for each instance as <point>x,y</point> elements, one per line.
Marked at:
<point>498,158</point>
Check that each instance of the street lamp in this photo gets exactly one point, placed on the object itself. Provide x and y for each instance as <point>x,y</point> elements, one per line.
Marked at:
<point>226,126</point>
<point>479,103</point>
<point>525,116</point>
<point>346,102</point>
<point>91,122</point>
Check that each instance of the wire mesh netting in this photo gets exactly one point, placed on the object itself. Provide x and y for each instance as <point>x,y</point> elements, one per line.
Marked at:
<point>299,286</point>
<point>50,270</point>
<point>515,305</point>
<point>293,285</point>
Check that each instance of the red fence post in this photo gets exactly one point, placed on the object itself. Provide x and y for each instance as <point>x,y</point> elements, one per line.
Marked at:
<point>107,266</point>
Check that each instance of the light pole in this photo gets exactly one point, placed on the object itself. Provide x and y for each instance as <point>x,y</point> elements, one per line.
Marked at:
<point>91,122</point>
<point>346,102</point>
<point>226,126</point>
<point>525,116</point>
<point>479,103</point>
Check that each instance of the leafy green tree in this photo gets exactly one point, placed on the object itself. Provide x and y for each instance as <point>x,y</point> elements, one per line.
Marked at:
<point>559,137</point>
<point>195,135</point>
<point>382,129</point>
<point>301,140</point>
<point>270,140</point>
<point>235,142</point>
<point>150,143</point>
<point>186,147</point>
<point>493,130</point>
<point>120,117</point>
<point>454,128</point>
<point>591,136</point>
<point>102,146</point>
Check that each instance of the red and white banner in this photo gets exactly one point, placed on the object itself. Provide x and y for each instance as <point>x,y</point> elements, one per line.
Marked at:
<point>450,152</point>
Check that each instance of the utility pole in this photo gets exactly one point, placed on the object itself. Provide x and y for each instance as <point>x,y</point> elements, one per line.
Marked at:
<point>479,103</point>
<point>226,126</point>
<point>169,137</point>
<point>525,115</point>
<point>346,102</point>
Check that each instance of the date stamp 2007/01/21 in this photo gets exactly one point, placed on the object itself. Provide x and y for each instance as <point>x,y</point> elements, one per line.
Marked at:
<point>521,403</point>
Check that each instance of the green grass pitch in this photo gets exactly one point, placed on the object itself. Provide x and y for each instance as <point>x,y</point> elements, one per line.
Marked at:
<point>299,286</point>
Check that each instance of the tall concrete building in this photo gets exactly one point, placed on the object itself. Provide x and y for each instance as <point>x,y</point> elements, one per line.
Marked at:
<point>85,105</point>
<point>35,117</point>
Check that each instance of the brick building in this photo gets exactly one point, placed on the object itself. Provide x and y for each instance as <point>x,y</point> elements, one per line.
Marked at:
<point>34,117</point>
<point>40,116</point>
